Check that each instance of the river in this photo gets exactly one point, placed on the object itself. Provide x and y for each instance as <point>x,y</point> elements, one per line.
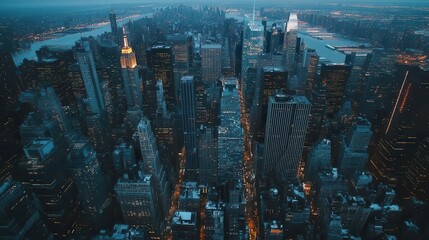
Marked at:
<point>68,40</point>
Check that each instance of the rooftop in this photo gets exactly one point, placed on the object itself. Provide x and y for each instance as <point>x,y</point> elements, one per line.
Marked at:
<point>184,218</point>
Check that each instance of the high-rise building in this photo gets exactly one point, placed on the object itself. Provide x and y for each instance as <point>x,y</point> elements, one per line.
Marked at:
<point>319,159</point>
<point>416,182</point>
<point>20,218</point>
<point>253,45</point>
<point>230,133</point>
<point>287,120</point>
<point>38,126</point>
<point>273,79</point>
<point>152,163</point>
<point>214,221</point>
<point>334,77</point>
<point>130,75</point>
<point>187,91</point>
<point>207,154</point>
<point>182,49</point>
<point>310,63</point>
<point>139,204</point>
<point>43,173</point>
<point>90,77</point>
<point>123,158</point>
<point>90,184</point>
<point>354,149</point>
<point>407,124</point>
<point>114,27</point>
<point>160,59</point>
<point>211,62</point>
<point>289,42</point>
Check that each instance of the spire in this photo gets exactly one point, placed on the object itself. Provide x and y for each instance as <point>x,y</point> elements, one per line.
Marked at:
<point>254,3</point>
<point>125,38</point>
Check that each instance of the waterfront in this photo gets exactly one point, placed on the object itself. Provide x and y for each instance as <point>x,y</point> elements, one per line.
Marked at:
<point>69,40</point>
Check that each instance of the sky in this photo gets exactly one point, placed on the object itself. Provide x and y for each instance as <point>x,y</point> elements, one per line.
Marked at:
<point>29,3</point>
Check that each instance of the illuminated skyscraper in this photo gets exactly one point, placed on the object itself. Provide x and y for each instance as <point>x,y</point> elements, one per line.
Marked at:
<point>334,77</point>
<point>253,44</point>
<point>90,77</point>
<point>285,131</point>
<point>130,75</point>
<point>187,91</point>
<point>211,62</point>
<point>152,163</point>
<point>182,49</point>
<point>90,183</point>
<point>139,204</point>
<point>408,123</point>
<point>43,173</point>
<point>310,62</point>
<point>20,218</point>
<point>160,60</point>
<point>207,154</point>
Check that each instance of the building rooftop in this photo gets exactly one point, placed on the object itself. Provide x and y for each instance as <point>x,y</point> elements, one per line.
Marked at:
<point>184,218</point>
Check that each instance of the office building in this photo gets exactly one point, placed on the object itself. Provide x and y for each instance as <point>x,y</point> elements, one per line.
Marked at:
<point>130,75</point>
<point>211,62</point>
<point>319,159</point>
<point>184,225</point>
<point>208,154</point>
<point>289,42</point>
<point>20,218</point>
<point>416,182</point>
<point>89,75</point>
<point>43,173</point>
<point>160,59</point>
<point>334,77</point>
<point>182,45</point>
<point>287,121</point>
<point>152,163</point>
<point>139,204</point>
<point>187,91</point>
<point>114,27</point>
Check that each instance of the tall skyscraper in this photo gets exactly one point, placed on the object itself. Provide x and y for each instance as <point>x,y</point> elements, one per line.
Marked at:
<point>182,49</point>
<point>152,163</point>
<point>187,91</point>
<point>287,120</point>
<point>211,62</point>
<point>408,123</point>
<point>90,184</point>
<point>310,62</point>
<point>114,26</point>
<point>273,79</point>
<point>43,173</point>
<point>334,77</point>
<point>230,139</point>
<point>20,218</point>
<point>416,182</point>
<point>90,77</point>
<point>253,44</point>
<point>289,42</point>
<point>319,159</point>
<point>139,204</point>
<point>130,75</point>
<point>160,60</point>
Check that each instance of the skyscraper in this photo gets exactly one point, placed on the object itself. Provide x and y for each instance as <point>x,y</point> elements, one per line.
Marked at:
<point>152,163</point>
<point>408,123</point>
<point>114,27</point>
<point>273,79</point>
<point>289,42</point>
<point>287,120</point>
<point>43,173</point>
<point>20,217</point>
<point>182,49</point>
<point>187,91</point>
<point>310,62</point>
<point>160,60</point>
<point>211,62</point>
<point>130,75</point>
<point>334,77</point>
<point>90,184</point>
<point>90,76</point>
<point>319,159</point>
<point>207,154</point>
<point>139,204</point>
<point>230,139</point>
